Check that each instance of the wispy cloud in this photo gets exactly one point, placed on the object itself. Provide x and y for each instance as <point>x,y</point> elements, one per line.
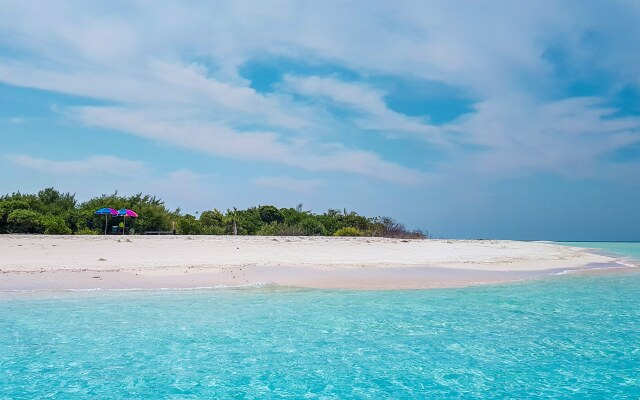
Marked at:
<point>96,164</point>
<point>183,107</point>
<point>216,139</point>
<point>569,137</point>
<point>16,120</point>
<point>107,174</point>
<point>367,102</point>
<point>182,84</point>
<point>286,183</point>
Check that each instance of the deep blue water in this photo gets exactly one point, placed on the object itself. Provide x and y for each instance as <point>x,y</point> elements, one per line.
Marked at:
<point>561,337</point>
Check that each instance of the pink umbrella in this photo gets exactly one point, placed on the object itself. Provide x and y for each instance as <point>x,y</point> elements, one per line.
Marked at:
<point>126,213</point>
<point>106,212</point>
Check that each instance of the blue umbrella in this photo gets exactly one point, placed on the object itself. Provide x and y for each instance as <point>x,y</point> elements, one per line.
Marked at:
<point>106,212</point>
<point>124,212</point>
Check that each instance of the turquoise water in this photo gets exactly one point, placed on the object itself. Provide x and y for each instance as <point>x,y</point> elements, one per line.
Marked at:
<point>628,249</point>
<point>567,337</point>
<point>561,337</point>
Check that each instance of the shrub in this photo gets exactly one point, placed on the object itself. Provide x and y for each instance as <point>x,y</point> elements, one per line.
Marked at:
<point>53,212</point>
<point>312,227</point>
<point>189,225</point>
<point>6,208</point>
<point>55,226</point>
<point>24,221</point>
<point>248,221</point>
<point>86,231</point>
<point>275,229</point>
<point>269,214</point>
<point>389,227</point>
<point>269,230</point>
<point>348,231</point>
<point>211,218</point>
<point>212,230</point>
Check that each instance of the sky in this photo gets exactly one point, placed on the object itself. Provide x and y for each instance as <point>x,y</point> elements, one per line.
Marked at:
<point>467,119</point>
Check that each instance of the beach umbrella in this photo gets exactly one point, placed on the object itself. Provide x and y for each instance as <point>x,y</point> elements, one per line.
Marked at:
<point>123,212</point>
<point>106,212</point>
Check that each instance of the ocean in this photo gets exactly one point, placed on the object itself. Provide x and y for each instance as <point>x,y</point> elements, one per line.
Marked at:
<point>569,336</point>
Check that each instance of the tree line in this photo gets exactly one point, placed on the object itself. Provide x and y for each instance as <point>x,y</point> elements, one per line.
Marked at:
<point>52,212</point>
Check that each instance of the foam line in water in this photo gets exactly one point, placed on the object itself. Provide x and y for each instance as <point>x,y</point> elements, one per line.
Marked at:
<point>253,285</point>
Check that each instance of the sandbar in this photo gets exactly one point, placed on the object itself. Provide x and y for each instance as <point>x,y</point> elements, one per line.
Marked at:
<point>43,263</point>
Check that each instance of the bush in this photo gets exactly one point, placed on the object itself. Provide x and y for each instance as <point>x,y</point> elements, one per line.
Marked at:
<point>269,214</point>
<point>348,231</point>
<point>6,208</point>
<point>248,221</point>
<point>153,217</point>
<point>189,225</point>
<point>312,227</point>
<point>212,230</point>
<point>275,229</point>
<point>24,221</point>
<point>55,226</point>
<point>389,227</point>
<point>53,212</point>
<point>211,218</point>
<point>86,231</point>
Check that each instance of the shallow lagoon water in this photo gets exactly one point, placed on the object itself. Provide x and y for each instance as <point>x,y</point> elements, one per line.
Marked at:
<point>624,249</point>
<point>560,337</point>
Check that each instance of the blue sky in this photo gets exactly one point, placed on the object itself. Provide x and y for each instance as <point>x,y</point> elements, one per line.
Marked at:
<point>485,119</point>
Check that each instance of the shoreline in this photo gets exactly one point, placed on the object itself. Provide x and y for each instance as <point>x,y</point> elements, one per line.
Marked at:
<point>60,263</point>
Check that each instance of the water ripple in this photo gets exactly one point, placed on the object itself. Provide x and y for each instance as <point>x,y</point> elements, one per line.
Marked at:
<point>567,337</point>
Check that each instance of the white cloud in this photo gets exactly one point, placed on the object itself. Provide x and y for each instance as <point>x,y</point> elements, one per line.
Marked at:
<point>183,87</point>
<point>437,40</point>
<point>108,174</point>
<point>306,186</point>
<point>184,188</point>
<point>180,84</point>
<point>374,114</point>
<point>178,104</point>
<point>568,137</point>
<point>212,138</point>
<point>16,120</point>
<point>95,164</point>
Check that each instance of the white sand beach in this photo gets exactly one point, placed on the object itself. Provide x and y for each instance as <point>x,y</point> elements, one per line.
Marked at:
<point>40,262</point>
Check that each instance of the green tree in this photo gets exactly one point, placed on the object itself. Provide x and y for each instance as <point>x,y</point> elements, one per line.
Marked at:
<point>276,229</point>
<point>269,214</point>
<point>212,222</point>
<point>312,227</point>
<point>6,208</point>
<point>292,216</point>
<point>55,212</point>
<point>25,221</point>
<point>56,203</point>
<point>153,214</point>
<point>189,225</point>
<point>211,218</point>
<point>54,225</point>
<point>249,221</point>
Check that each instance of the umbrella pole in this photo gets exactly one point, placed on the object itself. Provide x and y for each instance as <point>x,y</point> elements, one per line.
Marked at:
<point>124,223</point>
<point>105,223</point>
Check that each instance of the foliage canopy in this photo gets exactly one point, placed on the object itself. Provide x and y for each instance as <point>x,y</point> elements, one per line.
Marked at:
<point>52,212</point>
